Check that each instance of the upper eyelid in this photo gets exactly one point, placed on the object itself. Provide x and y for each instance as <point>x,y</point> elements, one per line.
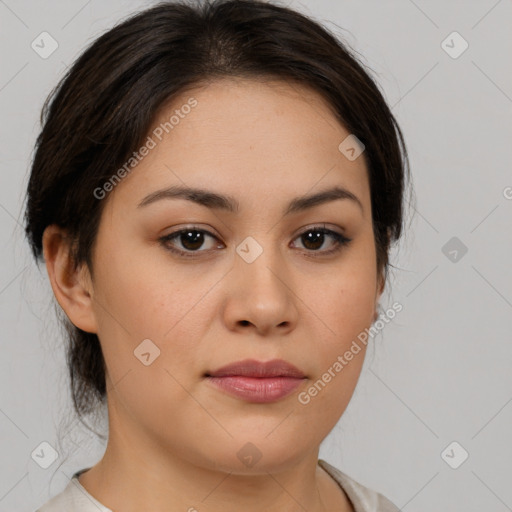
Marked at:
<point>322,226</point>
<point>341,241</point>
<point>204,230</point>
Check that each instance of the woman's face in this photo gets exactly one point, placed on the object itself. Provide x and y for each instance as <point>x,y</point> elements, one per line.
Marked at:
<point>248,282</point>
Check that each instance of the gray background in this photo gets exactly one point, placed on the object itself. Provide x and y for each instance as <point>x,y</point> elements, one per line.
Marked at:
<point>439,373</point>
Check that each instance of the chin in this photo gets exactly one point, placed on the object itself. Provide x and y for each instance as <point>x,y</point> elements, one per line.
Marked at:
<point>246,455</point>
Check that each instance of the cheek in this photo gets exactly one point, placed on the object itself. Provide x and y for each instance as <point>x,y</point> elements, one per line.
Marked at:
<point>340,355</point>
<point>145,319</point>
<point>346,308</point>
<point>347,304</point>
<point>140,299</point>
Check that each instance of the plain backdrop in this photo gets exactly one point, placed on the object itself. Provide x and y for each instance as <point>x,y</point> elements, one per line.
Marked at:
<point>436,387</point>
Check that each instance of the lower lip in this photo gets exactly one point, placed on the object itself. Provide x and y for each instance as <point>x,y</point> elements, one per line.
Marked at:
<point>257,389</point>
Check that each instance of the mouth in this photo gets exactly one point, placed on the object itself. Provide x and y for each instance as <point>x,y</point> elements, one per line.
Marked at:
<point>258,382</point>
<point>257,369</point>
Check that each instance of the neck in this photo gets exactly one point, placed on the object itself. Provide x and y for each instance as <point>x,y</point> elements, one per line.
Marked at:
<point>138,473</point>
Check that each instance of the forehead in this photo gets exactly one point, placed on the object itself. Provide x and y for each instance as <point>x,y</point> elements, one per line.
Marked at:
<point>248,138</point>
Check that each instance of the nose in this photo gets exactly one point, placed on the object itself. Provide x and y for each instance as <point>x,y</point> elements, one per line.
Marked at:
<point>260,295</point>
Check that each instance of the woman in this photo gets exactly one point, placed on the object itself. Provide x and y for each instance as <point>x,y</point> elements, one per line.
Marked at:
<point>215,191</point>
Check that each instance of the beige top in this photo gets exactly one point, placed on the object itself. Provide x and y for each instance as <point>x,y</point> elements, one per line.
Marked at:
<point>74,497</point>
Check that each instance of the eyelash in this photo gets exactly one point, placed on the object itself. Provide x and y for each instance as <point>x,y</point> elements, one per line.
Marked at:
<point>341,241</point>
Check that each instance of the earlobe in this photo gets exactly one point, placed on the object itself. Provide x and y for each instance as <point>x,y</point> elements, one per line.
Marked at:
<point>72,287</point>
<point>381,285</point>
<point>380,288</point>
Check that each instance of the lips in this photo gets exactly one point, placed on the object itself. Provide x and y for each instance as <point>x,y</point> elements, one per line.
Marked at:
<point>257,382</point>
<point>257,369</point>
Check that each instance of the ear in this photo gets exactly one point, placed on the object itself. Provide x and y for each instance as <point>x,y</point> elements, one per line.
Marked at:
<point>381,283</point>
<point>72,287</point>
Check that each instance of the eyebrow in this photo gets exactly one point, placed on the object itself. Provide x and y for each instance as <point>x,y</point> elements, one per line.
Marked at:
<point>217,201</point>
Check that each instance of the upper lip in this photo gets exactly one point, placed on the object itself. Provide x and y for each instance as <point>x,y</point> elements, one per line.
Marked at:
<point>253,368</point>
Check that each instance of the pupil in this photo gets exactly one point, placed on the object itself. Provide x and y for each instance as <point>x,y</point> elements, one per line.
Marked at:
<point>310,238</point>
<point>193,242</point>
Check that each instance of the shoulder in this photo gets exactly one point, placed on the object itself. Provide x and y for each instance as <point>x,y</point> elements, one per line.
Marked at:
<point>74,498</point>
<point>363,498</point>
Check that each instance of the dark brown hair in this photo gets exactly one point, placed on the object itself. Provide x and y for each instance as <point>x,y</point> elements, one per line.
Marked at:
<point>102,110</point>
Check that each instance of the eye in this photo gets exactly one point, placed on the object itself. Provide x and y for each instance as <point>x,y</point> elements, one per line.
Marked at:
<point>191,239</point>
<point>315,237</point>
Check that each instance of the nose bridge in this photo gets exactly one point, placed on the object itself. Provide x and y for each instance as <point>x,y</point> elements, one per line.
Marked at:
<point>259,261</point>
<point>260,294</point>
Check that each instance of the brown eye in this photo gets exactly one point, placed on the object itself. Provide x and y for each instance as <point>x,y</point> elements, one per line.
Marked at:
<point>190,239</point>
<point>314,238</point>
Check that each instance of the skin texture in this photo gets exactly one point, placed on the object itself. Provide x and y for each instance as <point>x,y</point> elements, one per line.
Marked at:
<point>173,437</point>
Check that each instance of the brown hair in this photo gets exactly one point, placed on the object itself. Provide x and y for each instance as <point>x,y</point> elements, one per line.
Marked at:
<point>102,109</point>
